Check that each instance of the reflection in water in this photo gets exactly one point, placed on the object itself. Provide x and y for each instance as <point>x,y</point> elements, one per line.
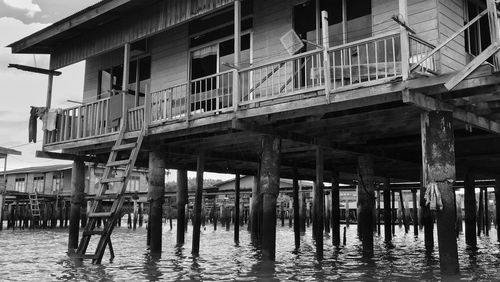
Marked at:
<point>40,255</point>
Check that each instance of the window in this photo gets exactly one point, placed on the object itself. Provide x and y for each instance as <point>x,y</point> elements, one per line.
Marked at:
<point>133,184</point>
<point>20,184</point>
<point>56,183</point>
<point>477,37</point>
<point>38,184</point>
<point>348,20</point>
<point>139,74</point>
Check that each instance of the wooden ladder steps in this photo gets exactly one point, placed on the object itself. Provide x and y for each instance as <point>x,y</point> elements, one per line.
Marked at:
<point>114,179</point>
<point>93,232</point>
<point>124,147</point>
<point>101,214</point>
<point>118,163</point>
<point>106,197</point>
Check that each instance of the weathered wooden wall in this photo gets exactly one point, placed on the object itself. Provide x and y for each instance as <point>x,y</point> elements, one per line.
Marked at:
<point>137,25</point>
<point>92,67</point>
<point>451,19</point>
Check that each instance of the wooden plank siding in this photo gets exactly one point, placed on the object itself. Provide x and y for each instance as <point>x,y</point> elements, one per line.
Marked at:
<point>131,27</point>
<point>451,18</point>
<point>92,67</point>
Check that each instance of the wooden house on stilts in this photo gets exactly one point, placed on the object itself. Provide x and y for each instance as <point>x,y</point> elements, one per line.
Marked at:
<point>339,91</point>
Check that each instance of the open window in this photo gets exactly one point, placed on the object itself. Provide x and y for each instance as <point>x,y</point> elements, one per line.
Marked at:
<point>477,37</point>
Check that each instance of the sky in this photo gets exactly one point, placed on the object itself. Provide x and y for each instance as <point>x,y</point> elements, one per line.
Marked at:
<point>19,18</point>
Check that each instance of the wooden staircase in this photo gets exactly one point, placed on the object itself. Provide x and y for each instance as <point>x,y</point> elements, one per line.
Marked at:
<point>122,148</point>
<point>34,206</point>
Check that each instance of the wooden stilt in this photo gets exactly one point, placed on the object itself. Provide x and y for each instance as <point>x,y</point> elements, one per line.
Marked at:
<point>459,214</point>
<point>403,213</point>
<point>296,211</point>
<point>156,196</point>
<point>182,199</point>
<point>480,213</point>
<point>237,208</point>
<point>335,209</point>
<point>393,212</point>
<point>438,155</point>
<point>255,211</point>
<point>2,205</point>
<point>486,213</point>
<point>415,212</point>
<point>303,210</point>
<point>366,202</point>
<point>497,206</point>
<point>77,196</point>
<point>197,204</point>
<point>387,210</point>
<point>377,216</point>
<point>269,183</point>
<point>319,204</point>
<point>427,217</point>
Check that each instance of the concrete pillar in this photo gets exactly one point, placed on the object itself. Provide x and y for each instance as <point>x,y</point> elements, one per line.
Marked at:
<point>182,200</point>
<point>335,209</point>
<point>77,197</point>
<point>237,208</point>
<point>387,211</point>
<point>156,197</point>
<point>366,202</point>
<point>197,204</point>
<point>269,184</point>
<point>438,155</point>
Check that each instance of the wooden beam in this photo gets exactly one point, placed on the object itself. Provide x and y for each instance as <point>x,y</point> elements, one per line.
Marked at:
<point>431,104</point>
<point>474,64</point>
<point>65,156</point>
<point>7,151</point>
<point>35,69</point>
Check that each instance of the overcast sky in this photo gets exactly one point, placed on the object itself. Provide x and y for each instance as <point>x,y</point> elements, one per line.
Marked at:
<point>20,90</point>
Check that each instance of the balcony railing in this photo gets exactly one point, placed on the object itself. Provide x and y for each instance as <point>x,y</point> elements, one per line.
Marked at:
<point>356,64</point>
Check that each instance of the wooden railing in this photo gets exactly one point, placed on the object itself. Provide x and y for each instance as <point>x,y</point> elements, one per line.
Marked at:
<point>168,104</point>
<point>297,74</point>
<point>213,93</point>
<point>366,60</point>
<point>89,120</point>
<point>135,118</point>
<point>420,48</point>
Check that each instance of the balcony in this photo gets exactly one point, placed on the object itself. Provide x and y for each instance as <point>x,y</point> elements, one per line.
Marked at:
<point>363,63</point>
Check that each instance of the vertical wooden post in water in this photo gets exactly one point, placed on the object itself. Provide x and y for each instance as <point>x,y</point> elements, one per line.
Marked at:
<point>269,184</point>
<point>77,196</point>
<point>366,202</point>
<point>403,213</point>
<point>387,210</point>
<point>319,203</point>
<point>237,208</point>
<point>426,217</point>
<point>182,200</point>
<point>393,210</point>
<point>197,204</point>
<point>335,209</point>
<point>415,212</point>
<point>156,195</point>
<point>296,211</point>
<point>255,210</point>
<point>480,213</point>
<point>486,213</point>
<point>497,206</point>
<point>438,155</point>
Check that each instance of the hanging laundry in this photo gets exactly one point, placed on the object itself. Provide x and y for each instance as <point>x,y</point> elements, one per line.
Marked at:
<point>35,112</point>
<point>49,120</point>
<point>115,110</point>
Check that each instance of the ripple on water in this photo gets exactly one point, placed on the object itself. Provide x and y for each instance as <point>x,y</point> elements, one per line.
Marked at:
<point>27,255</point>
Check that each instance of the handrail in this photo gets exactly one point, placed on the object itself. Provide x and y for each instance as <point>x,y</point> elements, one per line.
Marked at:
<point>364,40</point>
<point>422,41</point>
<point>291,58</point>
<point>484,12</point>
<point>210,76</point>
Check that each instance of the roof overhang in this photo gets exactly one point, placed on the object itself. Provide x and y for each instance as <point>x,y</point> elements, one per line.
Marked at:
<point>6,151</point>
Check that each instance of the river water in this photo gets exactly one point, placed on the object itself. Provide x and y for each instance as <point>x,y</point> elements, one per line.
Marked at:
<point>27,255</point>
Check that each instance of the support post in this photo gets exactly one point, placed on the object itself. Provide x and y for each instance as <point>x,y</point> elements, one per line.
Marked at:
<point>405,40</point>
<point>486,213</point>
<point>237,207</point>
<point>480,213</point>
<point>296,211</point>
<point>403,213</point>
<point>326,46</point>
<point>126,71</point>
<point>237,54</point>
<point>415,212</point>
<point>393,212</point>
<point>48,103</point>
<point>269,183</point>
<point>335,209</point>
<point>182,200</point>
<point>497,206</point>
<point>427,217</point>
<point>200,167</point>
<point>387,210</point>
<point>156,197</point>
<point>319,203</point>
<point>255,205</point>
<point>77,197</point>
<point>438,155</point>
<point>366,202</point>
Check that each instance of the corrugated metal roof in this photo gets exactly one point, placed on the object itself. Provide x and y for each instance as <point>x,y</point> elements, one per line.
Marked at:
<point>38,169</point>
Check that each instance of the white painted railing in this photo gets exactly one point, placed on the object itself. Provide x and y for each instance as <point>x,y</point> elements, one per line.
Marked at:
<point>168,104</point>
<point>135,118</point>
<point>212,93</point>
<point>418,50</point>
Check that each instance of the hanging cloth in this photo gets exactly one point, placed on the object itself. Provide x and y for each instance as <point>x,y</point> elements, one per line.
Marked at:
<point>115,110</point>
<point>35,112</point>
<point>49,121</point>
<point>433,197</point>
